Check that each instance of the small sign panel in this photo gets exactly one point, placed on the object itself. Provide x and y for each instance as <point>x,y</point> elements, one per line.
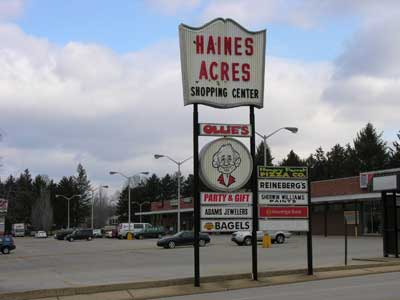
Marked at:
<point>277,185</point>
<point>225,165</point>
<point>226,225</point>
<point>225,198</point>
<point>284,212</point>
<point>238,130</point>
<point>386,183</point>
<point>226,211</point>
<point>277,198</point>
<point>282,172</point>
<point>289,225</point>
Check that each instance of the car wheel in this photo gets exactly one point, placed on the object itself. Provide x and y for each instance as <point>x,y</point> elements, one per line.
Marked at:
<point>280,238</point>
<point>171,245</point>
<point>247,241</point>
<point>202,243</point>
<point>89,238</point>
<point>5,250</point>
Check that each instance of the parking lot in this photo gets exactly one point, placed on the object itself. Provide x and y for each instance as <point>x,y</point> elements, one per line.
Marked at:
<point>50,263</point>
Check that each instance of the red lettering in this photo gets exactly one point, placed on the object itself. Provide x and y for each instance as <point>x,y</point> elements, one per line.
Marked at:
<point>227,45</point>
<point>238,45</point>
<point>248,42</point>
<point>235,129</point>
<point>235,71</point>
<point>203,71</point>
<point>208,129</point>
<point>224,71</point>
<point>245,72</point>
<point>199,44</point>
<point>245,130</point>
<point>219,45</point>
<point>210,45</point>
<point>212,75</point>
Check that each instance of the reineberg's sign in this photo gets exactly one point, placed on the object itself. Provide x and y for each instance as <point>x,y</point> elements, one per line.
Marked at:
<point>222,64</point>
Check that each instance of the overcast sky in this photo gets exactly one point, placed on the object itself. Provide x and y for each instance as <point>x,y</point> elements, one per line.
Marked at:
<point>98,82</point>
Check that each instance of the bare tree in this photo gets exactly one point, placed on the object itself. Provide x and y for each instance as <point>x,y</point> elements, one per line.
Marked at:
<point>42,211</point>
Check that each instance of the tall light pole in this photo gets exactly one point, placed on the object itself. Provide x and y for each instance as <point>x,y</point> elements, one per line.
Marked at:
<point>93,190</point>
<point>129,178</point>
<point>179,163</point>
<point>68,198</point>
<point>265,137</point>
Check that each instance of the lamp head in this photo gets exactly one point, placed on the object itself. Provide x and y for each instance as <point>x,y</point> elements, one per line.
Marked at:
<point>292,129</point>
<point>157,156</point>
<point>104,186</point>
<point>113,172</point>
<point>144,173</point>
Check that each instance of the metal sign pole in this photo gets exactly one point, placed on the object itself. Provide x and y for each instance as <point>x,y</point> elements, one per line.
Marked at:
<point>309,233</point>
<point>196,195</point>
<point>254,191</point>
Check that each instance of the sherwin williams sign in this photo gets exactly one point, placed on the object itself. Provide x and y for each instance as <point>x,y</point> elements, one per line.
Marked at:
<point>222,64</point>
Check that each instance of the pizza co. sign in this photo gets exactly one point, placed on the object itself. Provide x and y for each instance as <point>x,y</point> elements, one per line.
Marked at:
<point>222,64</point>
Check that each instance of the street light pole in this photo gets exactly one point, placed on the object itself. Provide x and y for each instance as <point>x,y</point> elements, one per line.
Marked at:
<point>99,188</point>
<point>68,200</point>
<point>140,209</point>
<point>129,178</point>
<point>179,163</point>
<point>265,137</point>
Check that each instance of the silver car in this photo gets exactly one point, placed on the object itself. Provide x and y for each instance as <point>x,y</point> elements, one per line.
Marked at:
<point>244,237</point>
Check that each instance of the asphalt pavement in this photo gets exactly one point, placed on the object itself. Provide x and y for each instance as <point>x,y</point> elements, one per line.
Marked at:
<point>49,263</point>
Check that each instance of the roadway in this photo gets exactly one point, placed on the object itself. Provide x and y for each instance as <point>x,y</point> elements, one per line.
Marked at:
<point>49,263</point>
<point>371,287</point>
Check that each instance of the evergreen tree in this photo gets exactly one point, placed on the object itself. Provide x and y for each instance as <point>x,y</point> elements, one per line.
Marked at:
<point>371,151</point>
<point>152,188</point>
<point>319,170</point>
<point>336,162</point>
<point>187,186</point>
<point>168,188</point>
<point>260,155</point>
<point>67,188</point>
<point>292,160</point>
<point>395,154</point>
<point>20,211</point>
<point>42,211</point>
<point>81,205</point>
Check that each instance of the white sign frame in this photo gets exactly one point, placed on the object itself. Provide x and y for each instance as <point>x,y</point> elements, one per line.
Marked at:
<point>245,60</point>
<point>286,224</point>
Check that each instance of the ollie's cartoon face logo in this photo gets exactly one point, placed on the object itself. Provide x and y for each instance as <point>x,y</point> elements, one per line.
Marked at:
<point>226,160</point>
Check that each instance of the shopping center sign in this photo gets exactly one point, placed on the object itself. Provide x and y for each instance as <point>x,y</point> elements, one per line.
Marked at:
<point>222,64</point>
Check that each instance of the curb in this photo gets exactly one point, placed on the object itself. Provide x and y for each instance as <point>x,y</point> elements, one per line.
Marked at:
<point>70,291</point>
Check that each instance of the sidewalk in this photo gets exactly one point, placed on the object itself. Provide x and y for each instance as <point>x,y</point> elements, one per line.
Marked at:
<point>180,287</point>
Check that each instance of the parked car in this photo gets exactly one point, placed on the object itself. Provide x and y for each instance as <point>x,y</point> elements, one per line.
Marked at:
<point>150,232</point>
<point>80,234</point>
<point>97,233</point>
<point>61,234</point>
<point>123,228</point>
<point>110,231</point>
<point>41,234</point>
<point>244,237</point>
<point>6,244</point>
<point>182,238</point>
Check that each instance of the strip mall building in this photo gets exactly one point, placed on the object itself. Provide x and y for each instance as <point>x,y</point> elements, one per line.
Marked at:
<point>331,201</point>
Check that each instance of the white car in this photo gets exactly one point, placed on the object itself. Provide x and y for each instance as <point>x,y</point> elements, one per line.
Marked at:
<point>41,234</point>
<point>244,237</point>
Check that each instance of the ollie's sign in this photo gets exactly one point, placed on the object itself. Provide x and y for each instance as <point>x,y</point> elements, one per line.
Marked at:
<point>222,64</point>
<point>239,130</point>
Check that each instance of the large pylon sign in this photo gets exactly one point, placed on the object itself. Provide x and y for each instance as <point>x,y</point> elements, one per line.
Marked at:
<point>223,66</point>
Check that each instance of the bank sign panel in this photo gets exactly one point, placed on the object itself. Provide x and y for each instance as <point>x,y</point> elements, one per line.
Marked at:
<point>222,64</point>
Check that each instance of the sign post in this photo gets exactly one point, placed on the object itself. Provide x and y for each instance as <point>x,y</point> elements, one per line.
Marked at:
<point>223,66</point>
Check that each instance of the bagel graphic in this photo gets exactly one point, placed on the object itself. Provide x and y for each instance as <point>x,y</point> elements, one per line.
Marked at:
<point>209,226</point>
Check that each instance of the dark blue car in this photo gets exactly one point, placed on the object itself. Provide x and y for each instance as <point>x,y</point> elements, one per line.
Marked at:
<point>6,244</point>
